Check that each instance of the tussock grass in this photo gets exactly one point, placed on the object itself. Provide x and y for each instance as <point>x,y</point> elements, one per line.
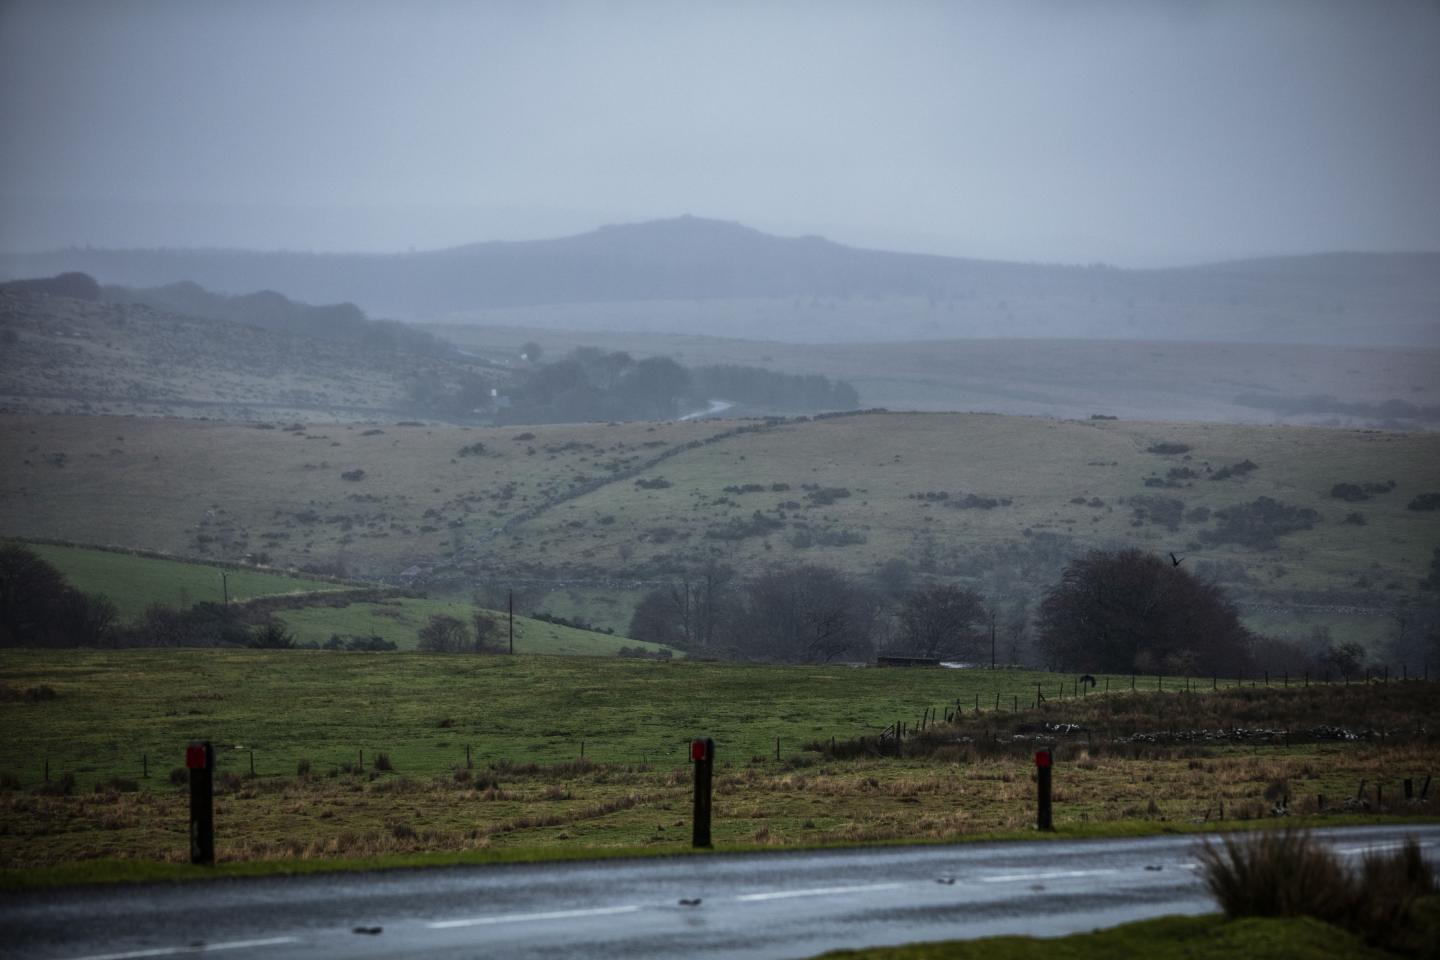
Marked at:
<point>1289,874</point>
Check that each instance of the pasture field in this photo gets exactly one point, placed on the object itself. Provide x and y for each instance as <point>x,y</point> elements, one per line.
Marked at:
<point>399,620</point>
<point>598,510</point>
<point>135,582</point>
<point>525,719</point>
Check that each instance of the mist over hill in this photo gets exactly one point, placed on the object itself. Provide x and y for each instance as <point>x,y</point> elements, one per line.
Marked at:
<point>692,275</point>
<point>274,311</point>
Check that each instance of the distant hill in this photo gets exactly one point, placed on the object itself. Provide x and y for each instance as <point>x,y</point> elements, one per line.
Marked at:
<point>274,311</point>
<point>691,275</point>
<point>68,354</point>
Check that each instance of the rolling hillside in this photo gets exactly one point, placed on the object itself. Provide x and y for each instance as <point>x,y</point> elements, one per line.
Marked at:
<point>134,582</point>
<point>997,502</point>
<point>63,354</point>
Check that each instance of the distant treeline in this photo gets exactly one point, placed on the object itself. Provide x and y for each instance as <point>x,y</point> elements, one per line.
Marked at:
<point>754,386</point>
<point>273,311</point>
<point>590,384</point>
<point>1393,409</point>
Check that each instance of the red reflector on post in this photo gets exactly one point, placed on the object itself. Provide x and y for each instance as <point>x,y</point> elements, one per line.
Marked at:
<point>195,756</point>
<point>698,751</point>
<point>1042,758</point>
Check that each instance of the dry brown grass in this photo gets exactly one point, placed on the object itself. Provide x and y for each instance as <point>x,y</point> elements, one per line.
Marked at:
<point>1288,873</point>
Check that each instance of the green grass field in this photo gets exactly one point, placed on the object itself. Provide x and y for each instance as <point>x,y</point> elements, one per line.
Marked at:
<point>133,582</point>
<point>317,724</point>
<point>112,707</point>
<point>400,619</point>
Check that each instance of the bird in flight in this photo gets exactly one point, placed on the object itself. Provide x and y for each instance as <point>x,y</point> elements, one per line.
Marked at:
<point>1176,561</point>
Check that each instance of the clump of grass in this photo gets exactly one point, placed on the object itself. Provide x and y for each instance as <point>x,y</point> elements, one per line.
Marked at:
<point>1288,873</point>
<point>117,785</point>
<point>64,786</point>
<point>382,761</point>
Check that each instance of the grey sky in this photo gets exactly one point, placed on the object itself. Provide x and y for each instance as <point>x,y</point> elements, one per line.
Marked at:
<point>1133,132</point>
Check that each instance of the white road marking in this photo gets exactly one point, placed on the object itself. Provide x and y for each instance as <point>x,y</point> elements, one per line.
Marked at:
<point>1053,875</point>
<point>1373,848</point>
<point>526,917</point>
<point>195,948</point>
<point>816,892</point>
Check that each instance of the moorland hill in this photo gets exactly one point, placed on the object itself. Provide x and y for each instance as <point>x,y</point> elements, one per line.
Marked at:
<point>809,288</point>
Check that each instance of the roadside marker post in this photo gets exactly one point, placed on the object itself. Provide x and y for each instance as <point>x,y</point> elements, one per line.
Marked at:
<point>702,754</point>
<point>200,760</point>
<point>1043,819</point>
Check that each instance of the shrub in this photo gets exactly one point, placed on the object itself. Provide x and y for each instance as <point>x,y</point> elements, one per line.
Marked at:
<point>824,496</point>
<point>1235,470</point>
<point>652,483</point>
<point>63,787</point>
<point>1351,492</point>
<point>302,767</point>
<point>758,525</point>
<point>179,776</point>
<point>1425,501</point>
<point>118,785</point>
<point>1288,873</point>
<point>1258,523</point>
<point>382,761</point>
<point>476,449</point>
<point>643,653</point>
<point>1165,511</point>
<point>353,475</point>
<point>271,636</point>
<point>1168,449</point>
<point>371,643</point>
<point>974,501</point>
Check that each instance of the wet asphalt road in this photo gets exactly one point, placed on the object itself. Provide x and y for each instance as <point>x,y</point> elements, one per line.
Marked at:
<point>752,905</point>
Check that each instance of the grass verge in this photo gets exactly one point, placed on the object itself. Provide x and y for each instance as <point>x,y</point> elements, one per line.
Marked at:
<point>1190,938</point>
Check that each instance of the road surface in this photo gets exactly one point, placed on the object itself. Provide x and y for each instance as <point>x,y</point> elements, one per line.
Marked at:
<point>751,905</point>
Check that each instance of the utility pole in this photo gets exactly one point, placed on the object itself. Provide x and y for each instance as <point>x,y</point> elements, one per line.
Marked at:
<point>225,586</point>
<point>510,595</point>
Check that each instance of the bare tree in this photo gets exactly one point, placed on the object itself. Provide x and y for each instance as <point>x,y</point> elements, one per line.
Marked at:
<point>808,613</point>
<point>485,628</point>
<point>693,612</point>
<point>444,634</point>
<point>941,620</point>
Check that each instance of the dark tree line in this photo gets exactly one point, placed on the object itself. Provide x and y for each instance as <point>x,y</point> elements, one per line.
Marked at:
<point>805,614</point>
<point>590,384</point>
<point>758,387</point>
<point>39,609</point>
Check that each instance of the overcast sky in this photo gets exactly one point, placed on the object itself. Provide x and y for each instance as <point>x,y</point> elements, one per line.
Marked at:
<point>1137,133</point>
